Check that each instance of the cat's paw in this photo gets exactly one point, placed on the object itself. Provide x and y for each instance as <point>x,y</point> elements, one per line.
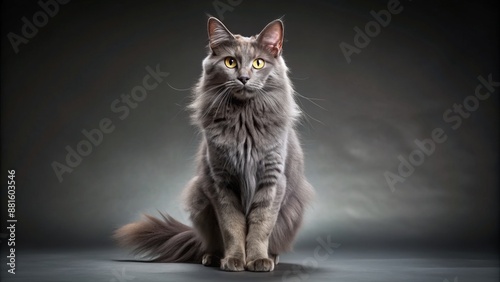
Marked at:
<point>232,264</point>
<point>210,260</point>
<point>263,264</point>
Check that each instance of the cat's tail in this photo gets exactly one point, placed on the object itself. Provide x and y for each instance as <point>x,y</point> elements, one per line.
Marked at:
<point>164,239</point>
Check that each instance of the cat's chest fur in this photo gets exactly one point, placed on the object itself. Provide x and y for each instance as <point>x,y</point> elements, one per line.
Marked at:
<point>246,128</point>
<point>241,137</point>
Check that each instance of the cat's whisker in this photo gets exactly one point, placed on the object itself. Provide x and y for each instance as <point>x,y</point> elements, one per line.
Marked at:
<point>308,116</point>
<point>311,100</point>
<point>315,99</point>
<point>270,102</point>
<point>219,96</point>
<point>221,85</point>
<point>179,89</point>
<point>208,91</point>
<point>224,95</point>
<point>228,102</point>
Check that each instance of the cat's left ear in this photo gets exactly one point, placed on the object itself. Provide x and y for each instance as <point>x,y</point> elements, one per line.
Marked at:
<point>271,37</point>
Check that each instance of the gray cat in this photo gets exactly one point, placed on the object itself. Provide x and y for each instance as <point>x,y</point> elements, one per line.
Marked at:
<point>247,199</point>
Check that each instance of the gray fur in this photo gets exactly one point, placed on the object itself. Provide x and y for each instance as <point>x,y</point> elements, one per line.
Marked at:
<point>247,199</point>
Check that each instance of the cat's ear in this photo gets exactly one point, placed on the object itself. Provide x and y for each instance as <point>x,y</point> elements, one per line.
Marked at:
<point>271,37</point>
<point>217,33</point>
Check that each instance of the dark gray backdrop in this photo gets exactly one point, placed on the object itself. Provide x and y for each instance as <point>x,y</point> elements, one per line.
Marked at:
<point>368,112</point>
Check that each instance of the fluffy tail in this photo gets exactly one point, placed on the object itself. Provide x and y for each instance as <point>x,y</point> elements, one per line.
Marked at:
<point>165,240</point>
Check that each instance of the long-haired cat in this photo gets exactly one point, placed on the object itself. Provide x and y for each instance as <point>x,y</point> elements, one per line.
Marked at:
<point>247,199</point>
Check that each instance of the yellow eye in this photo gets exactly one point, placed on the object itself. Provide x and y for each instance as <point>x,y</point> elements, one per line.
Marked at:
<point>258,63</point>
<point>230,62</point>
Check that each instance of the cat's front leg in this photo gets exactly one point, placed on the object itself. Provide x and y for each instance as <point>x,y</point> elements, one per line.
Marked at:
<point>232,226</point>
<point>262,218</point>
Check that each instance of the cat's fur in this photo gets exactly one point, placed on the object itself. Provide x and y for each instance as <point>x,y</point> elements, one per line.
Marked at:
<point>247,199</point>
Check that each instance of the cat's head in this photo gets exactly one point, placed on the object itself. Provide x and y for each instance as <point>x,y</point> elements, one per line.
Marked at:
<point>245,66</point>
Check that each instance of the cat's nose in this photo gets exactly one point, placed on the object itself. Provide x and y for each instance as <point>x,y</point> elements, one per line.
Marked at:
<point>243,79</point>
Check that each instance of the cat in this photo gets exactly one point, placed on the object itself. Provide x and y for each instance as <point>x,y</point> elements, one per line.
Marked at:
<point>248,197</point>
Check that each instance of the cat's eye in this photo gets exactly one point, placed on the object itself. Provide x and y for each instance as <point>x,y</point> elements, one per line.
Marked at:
<point>230,62</point>
<point>258,63</point>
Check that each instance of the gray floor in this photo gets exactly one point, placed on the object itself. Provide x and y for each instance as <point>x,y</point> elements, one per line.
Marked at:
<point>117,266</point>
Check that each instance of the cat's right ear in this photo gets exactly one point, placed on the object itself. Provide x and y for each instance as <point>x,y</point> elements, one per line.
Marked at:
<point>217,33</point>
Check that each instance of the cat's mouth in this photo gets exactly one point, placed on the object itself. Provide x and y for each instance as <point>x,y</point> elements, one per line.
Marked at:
<point>245,92</point>
<point>246,89</point>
